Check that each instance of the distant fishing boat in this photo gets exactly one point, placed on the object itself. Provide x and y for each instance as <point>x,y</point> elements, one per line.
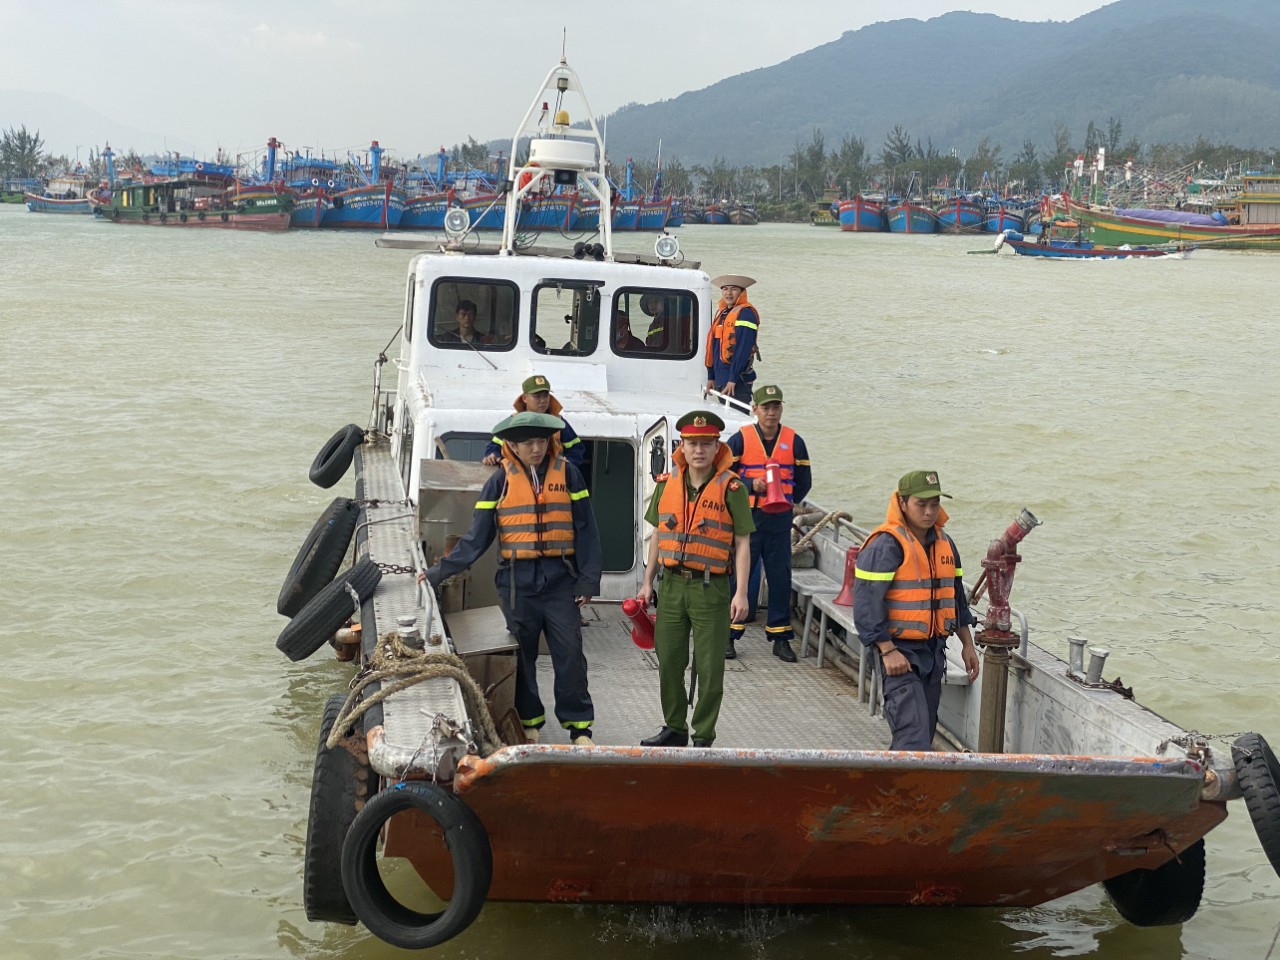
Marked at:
<point>73,193</point>
<point>426,211</point>
<point>960,215</point>
<point>1079,249</point>
<point>15,189</point>
<point>199,203</point>
<point>1000,217</point>
<point>912,216</point>
<point>863,215</point>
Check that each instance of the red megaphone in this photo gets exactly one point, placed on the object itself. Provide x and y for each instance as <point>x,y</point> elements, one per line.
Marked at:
<point>775,501</point>
<point>642,620</point>
<point>850,565</point>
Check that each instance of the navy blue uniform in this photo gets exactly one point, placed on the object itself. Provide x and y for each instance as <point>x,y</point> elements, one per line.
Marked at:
<point>538,596</point>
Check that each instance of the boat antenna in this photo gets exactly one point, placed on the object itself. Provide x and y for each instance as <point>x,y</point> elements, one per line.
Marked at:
<point>564,43</point>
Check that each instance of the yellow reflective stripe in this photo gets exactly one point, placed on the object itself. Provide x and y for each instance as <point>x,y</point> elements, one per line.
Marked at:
<point>577,724</point>
<point>486,504</point>
<point>959,572</point>
<point>574,442</point>
<point>802,463</point>
<point>580,495</point>
<point>536,721</point>
<point>786,629</point>
<point>745,323</point>
<point>497,439</point>
<point>860,574</point>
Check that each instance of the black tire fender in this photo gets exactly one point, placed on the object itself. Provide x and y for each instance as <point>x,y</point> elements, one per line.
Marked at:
<point>223,216</point>
<point>1259,775</point>
<point>329,609</point>
<point>331,463</point>
<point>338,202</point>
<point>464,835</point>
<point>1166,895</point>
<point>200,215</point>
<point>341,785</point>
<point>320,556</point>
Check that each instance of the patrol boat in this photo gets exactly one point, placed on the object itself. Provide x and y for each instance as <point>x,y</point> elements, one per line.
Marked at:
<point>1046,778</point>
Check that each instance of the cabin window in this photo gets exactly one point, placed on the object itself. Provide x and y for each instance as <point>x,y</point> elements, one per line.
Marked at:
<point>469,314</point>
<point>566,318</point>
<point>654,323</point>
<point>462,446</point>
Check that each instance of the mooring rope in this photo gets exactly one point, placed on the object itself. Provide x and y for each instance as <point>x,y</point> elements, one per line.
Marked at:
<point>804,541</point>
<point>404,667</point>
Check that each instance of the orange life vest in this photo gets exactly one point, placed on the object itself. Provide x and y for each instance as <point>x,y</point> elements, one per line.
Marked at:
<point>696,535</point>
<point>723,330</point>
<point>532,525</point>
<point>922,597</point>
<point>754,458</point>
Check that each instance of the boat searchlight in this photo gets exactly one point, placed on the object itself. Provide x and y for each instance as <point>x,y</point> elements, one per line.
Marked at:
<point>456,224</point>
<point>666,247</point>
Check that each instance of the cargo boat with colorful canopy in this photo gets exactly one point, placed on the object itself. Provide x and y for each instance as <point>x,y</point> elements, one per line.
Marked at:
<point>1045,779</point>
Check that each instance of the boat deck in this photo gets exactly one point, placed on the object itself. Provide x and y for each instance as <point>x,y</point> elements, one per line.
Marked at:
<point>767,703</point>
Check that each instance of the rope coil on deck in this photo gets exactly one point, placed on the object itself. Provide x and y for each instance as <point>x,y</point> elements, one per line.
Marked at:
<point>404,667</point>
<point>830,517</point>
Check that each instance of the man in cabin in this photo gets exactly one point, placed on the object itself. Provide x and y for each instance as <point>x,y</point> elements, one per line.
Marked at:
<point>549,565</point>
<point>908,598</point>
<point>753,447</point>
<point>536,397</point>
<point>731,342</point>
<point>658,335</point>
<point>623,339</point>
<point>465,315</point>
<point>703,531</point>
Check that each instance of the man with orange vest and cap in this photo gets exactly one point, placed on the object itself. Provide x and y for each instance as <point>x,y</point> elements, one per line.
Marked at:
<point>753,447</point>
<point>536,397</point>
<point>731,342</point>
<point>702,533</point>
<point>908,598</point>
<point>549,565</point>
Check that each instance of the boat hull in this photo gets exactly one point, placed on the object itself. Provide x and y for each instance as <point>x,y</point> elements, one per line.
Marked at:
<point>819,826</point>
<point>38,204</point>
<point>308,211</point>
<point>201,219</point>
<point>862,216</point>
<point>912,218</point>
<point>1112,229</point>
<point>376,207</point>
<point>960,216</point>
<point>425,212</point>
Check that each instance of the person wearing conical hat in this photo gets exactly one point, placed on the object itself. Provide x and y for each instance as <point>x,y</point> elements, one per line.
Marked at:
<point>702,532</point>
<point>731,342</point>
<point>549,564</point>
<point>908,599</point>
<point>753,447</point>
<point>536,397</point>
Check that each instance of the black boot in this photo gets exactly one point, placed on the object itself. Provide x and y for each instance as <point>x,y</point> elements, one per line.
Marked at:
<point>782,650</point>
<point>666,737</point>
<point>731,652</point>
<point>702,742</point>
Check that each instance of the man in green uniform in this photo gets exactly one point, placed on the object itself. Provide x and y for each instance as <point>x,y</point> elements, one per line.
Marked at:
<point>702,519</point>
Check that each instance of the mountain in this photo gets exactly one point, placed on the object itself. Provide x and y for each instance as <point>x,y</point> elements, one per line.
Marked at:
<point>1168,70</point>
<point>63,123</point>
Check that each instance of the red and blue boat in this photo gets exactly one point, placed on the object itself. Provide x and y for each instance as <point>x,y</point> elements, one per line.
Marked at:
<point>1077,248</point>
<point>374,205</point>
<point>426,211</point>
<point>1000,217</point>
<point>862,215</point>
<point>960,215</point>
<point>912,216</point>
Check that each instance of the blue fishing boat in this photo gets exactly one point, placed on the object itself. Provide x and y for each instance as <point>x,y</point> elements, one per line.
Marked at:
<point>912,216</point>
<point>960,215</point>
<point>72,193</point>
<point>675,217</point>
<point>546,212</point>
<point>1080,249</point>
<point>626,215</point>
<point>715,213</point>
<point>1000,217</point>
<point>425,211</point>
<point>373,205</point>
<point>862,215</point>
<point>486,210</point>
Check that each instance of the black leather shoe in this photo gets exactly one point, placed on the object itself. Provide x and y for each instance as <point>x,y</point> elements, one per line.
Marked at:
<point>702,742</point>
<point>731,652</point>
<point>666,737</point>
<point>782,650</point>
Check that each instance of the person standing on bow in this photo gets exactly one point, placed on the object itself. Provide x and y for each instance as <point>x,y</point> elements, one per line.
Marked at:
<point>753,447</point>
<point>549,565</point>
<point>536,397</point>
<point>908,598</point>
<point>702,532</point>
<point>731,342</point>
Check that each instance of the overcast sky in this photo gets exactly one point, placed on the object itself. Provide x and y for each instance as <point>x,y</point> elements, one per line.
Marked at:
<point>413,74</point>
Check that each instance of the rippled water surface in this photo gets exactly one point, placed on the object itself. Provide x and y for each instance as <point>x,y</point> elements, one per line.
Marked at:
<point>164,392</point>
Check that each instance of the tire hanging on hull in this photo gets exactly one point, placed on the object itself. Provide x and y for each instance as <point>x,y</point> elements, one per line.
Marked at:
<point>464,834</point>
<point>320,556</point>
<point>1166,895</point>
<point>1259,775</point>
<point>329,609</point>
<point>331,463</point>
<point>341,785</point>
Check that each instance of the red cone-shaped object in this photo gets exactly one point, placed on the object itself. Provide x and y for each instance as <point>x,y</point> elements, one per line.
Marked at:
<point>775,501</point>
<point>642,623</point>
<point>850,565</point>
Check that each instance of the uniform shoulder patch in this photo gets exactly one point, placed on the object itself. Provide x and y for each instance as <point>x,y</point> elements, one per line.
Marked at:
<point>735,484</point>
<point>662,478</point>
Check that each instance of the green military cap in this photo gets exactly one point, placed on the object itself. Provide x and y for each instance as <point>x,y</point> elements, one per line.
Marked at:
<point>700,423</point>
<point>921,483</point>
<point>767,394</point>
<point>536,384</point>
<point>527,425</point>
